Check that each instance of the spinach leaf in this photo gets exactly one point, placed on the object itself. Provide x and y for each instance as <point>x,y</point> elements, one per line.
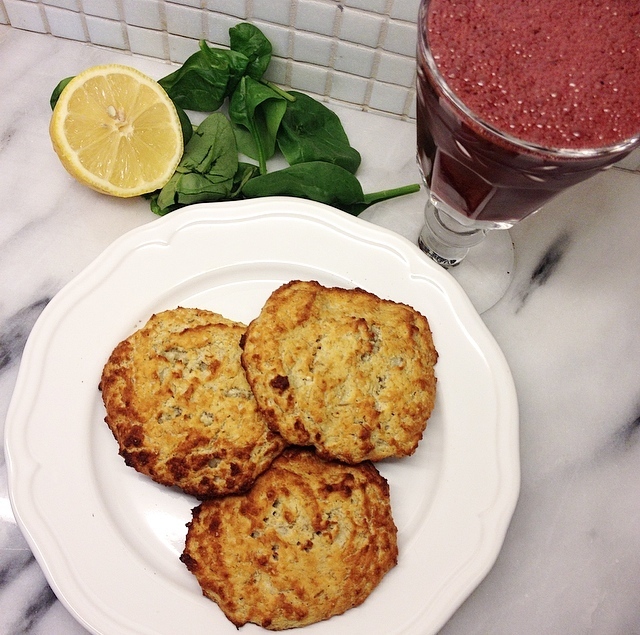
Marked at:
<point>206,78</point>
<point>245,172</point>
<point>316,180</point>
<point>207,169</point>
<point>377,197</point>
<point>256,110</point>
<point>55,95</point>
<point>322,182</point>
<point>311,132</point>
<point>212,149</point>
<point>185,124</point>
<point>251,42</point>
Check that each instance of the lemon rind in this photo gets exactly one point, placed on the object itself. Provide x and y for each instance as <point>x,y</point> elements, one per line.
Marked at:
<point>68,155</point>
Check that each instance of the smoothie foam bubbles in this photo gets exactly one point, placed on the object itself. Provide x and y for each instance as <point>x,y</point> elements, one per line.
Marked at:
<point>557,73</point>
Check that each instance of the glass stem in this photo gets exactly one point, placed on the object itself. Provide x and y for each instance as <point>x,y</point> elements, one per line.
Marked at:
<point>444,239</point>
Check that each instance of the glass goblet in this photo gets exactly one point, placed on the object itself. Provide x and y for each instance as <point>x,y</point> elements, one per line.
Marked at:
<point>481,179</point>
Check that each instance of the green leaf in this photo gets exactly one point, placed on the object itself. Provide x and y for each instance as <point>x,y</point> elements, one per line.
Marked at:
<point>207,169</point>
<point>251,42</point>
<point>317,180</point>
<point>256,110</point>
<point>311,132</point>
<point>383,195</point>
<point>212,149</point>
<point>55,95</point>
<point>185,124</point>
<point>280,91</point>
<point>196,188</point>
<point>153,203</point>
<point>237,61</point>
<point>322,182</point>
<point>167,198</point>
<point>205,79</point>
<point>245,172</point>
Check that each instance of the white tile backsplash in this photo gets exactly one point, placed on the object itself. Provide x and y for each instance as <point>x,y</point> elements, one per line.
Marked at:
<point>308,78</point>
<point>237,8</point>
<point>396,69</point>
<point>280,37</point>
<point>187,3</point>
<point>66,24</point>
<point>73,5</point>
<point>401,37</point>
<point>180,48</point>
<point>147,14</point>
<point>411,110</point>
<point>316,16</point>
<point>147,42</point>
<point>25,15</point>
<point>348,88</point>
<point>106,32</point>
<point>360,52</point>
<point>379,6</point>
<point>315,49</point>
<point>278,71</point>
<point>361,27</point>
<point>218,26</point>
<point>631,161</point>
<point>101,9</point>
<point>354,59</point>
<point>278,11</point>
<point>185,21</point>
<point>405,10</point>
<point>385,96</point>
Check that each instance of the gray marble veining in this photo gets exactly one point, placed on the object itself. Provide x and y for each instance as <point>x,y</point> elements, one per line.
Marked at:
<point>569,326</point>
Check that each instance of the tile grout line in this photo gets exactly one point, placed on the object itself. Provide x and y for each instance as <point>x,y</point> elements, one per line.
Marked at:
<point>203,20</point>
<point>166,45</point>
<point>335,41</point>
<point>43,17</point>
<point>124,25</point>
<point>83,22</point>
<point>376,56</point>
<point>288,69</point>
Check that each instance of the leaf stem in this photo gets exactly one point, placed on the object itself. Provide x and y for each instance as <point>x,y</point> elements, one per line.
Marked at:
<point>262,159</point>
<point>384,195</point>
<point>274,87</point>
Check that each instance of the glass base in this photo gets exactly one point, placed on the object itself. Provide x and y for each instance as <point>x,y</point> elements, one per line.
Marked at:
<point>479,258</point>
<point>444,239</point>
<point>487,270</point>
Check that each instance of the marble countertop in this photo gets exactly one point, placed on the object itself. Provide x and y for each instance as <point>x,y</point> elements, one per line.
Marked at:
<point>569,326</point>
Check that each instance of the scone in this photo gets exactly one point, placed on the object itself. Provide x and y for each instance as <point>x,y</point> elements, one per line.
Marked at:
<point>342,370</point>
<point>178,403</point>
<point>310,540</point>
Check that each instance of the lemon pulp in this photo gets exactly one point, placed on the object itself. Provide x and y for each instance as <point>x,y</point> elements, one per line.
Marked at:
<point>117,131</point>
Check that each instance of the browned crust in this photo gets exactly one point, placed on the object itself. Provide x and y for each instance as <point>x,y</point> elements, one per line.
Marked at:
<point>343,370</point>
<point>178,404</point>
<point>310,540</point>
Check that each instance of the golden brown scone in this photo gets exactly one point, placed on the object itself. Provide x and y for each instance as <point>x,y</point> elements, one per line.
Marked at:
<point>342,370</point>
<point>310,540</point>
<point>179,405</point>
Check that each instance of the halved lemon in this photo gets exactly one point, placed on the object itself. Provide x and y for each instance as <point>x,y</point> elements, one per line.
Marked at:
<point>117,131</point>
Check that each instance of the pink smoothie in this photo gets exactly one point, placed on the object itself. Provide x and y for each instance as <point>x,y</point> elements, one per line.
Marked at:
<point>558,73</point>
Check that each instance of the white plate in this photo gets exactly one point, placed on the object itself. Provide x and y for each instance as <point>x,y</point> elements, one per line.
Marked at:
<point>108,539</point>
